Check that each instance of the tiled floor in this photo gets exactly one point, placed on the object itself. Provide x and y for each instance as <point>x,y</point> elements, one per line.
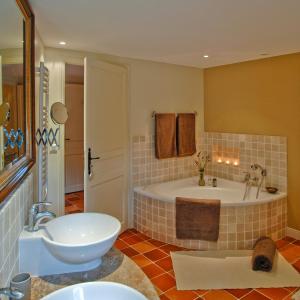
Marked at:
<point>74,202</point>
<point>154,259</point>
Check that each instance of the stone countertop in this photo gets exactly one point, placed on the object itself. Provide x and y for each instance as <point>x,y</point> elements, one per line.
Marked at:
<point>115,267</point>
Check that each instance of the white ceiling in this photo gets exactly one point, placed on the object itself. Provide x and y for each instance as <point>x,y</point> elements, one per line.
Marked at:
<point>173,31</point>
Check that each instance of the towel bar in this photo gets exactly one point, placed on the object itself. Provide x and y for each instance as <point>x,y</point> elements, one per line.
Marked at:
<point>154,113</point>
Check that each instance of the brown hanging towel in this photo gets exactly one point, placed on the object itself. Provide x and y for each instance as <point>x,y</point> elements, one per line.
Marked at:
<point>197,219</point>
<point>186,140</point>
<point>165,135</point>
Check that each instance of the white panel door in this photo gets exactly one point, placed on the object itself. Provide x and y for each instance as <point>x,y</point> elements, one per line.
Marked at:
<point>106,135</point>
<point>74,138</point>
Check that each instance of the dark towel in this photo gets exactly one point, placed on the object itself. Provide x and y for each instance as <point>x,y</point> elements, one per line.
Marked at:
<point>197,219</point>
<point>186,141</point>
<point>165,135</point>
<point>263,254</point>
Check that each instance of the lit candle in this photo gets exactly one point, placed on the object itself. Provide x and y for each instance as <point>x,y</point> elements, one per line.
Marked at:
<point>227,162</point>
<point>236,163</point>
<point>219,160</point>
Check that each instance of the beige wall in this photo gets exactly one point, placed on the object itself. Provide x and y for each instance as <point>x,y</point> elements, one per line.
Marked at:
<point>152,86</point>
<point>260,97</point>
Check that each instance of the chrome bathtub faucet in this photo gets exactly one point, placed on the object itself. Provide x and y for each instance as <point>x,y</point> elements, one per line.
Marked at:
<point>36,216</point>
<point>263,174</point>
<point>11,293</point>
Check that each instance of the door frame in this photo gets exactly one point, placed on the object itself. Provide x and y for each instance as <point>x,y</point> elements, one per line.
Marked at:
<point>77,58</point>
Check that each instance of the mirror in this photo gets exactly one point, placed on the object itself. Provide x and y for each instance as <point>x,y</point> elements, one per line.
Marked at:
<point>12,137</point>
<point>59,113</point>
<point>16,92</point>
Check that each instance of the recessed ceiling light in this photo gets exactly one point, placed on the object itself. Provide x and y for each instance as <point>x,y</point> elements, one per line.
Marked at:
<point>62,43</point>
<point>205,56</point>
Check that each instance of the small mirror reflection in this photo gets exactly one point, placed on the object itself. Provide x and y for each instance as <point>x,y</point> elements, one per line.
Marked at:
<point>12,92</point>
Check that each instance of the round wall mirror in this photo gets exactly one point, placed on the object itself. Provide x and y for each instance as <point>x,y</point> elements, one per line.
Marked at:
<point>59,113</point>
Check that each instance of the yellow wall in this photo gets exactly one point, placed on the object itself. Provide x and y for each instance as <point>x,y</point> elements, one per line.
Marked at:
<point>260,97</point>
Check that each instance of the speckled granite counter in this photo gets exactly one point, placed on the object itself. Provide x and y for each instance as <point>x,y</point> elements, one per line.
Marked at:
<point>115,267</point>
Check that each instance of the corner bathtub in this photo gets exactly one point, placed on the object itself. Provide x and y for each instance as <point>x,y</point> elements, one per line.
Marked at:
<point>241,221</point>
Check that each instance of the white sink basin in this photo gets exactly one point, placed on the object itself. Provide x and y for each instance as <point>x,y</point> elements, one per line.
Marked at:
<point>81,238</point>
<point>96,291</point>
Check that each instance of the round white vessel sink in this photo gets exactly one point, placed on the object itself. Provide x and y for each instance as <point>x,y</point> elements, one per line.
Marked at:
<point>96,291</point>
<point>81,238</point>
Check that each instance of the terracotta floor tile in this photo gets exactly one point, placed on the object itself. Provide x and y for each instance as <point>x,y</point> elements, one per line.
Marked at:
<point>218,295</point>
<point>143,247</point>
<point>141,260</point>
<point>119,244</point>
<point>297,265</point>
<point>281,243</point>
<point>289,239</point>
<point>165,263</point>
<point>163,297</point>
<point>201,292</point>
<point>168,248</point>
<point>239,293</point>
<point>143,236</point>
<point>275,294</point>
<point>164,282</point>
<point>291,252</point>
<point>157,265</point>
<point>156,243</point>
<point>174,294</point>
<point>125,234</point>
<point>133,230</point>
<point>129,252</point>
<point>254,295</point>
<point>131,240</point>
<point>155,255</point>
<point>152,270</point>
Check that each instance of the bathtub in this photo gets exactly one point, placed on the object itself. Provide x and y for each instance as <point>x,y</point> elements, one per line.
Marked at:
<point>241,221</point>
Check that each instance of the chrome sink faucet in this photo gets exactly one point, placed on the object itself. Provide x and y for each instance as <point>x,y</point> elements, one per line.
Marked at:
<point>36,216</point>
<point>263,173</point>
<point>11,293</point>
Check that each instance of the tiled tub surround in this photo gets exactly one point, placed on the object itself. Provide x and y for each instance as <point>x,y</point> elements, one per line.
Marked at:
<point>13,216</point>
<point>240,226</point>
<point>147,169</point>
<point>245,149</point>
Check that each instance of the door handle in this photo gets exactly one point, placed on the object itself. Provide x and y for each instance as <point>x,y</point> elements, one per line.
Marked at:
<point>90,158</point>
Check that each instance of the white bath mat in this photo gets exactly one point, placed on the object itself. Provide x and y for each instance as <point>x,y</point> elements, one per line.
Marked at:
<point>229,269</point>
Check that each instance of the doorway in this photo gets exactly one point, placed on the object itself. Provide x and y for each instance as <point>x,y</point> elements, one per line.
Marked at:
<point>74,139</point>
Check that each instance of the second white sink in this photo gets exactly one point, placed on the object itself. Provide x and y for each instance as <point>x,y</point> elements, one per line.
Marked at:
<point>81,238</point>
<point>96,291</point>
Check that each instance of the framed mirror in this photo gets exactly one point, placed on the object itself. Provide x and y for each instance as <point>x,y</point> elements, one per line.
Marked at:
<point>17,150</point>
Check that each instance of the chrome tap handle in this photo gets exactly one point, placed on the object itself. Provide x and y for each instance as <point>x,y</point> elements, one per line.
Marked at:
<point>11,293</point>
<point>39,204</point>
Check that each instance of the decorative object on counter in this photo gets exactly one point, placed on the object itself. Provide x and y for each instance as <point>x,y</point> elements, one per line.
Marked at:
<point>22,283</point>
<point>201,162</point>
<point>165,135</point>
<point>272,189</point>
<point>263,254</point>
<point>186,135</point>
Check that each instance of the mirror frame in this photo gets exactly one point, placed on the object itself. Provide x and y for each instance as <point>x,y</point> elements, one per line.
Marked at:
<point>10,178</point>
